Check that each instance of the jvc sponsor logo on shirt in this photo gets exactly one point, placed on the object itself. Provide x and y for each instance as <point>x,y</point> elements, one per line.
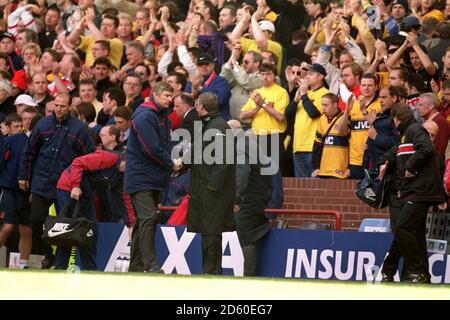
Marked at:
<point>359,125</point>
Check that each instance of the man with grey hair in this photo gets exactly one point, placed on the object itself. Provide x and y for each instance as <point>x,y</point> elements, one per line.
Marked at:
<point>135,54</point>
<point>6,99</point>
<point>428,110</point>
<point>243,78</point>
<point>147,173</point>
<point>212,187</point>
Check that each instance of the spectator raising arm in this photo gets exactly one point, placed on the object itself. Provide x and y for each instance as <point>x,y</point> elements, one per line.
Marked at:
<point>90,22</point>
<point>392,60</point>
<point>241,26</point>
<point>342,124</point>
<point>165,15</point>
<point>167,57</point>
<point>424,58</point>
<point>366,36</point>
<point>258,34</point>
<point>74,36</point>
<point>24,14</point>
<point>184,55</point>
<point>318,27</point>
<point>151,28</point>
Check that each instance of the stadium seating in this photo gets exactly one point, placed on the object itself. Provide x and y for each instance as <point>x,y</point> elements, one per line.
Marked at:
<point>375,225</point>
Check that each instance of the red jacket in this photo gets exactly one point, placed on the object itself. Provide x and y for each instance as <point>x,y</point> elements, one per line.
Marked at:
<point>99,160</point>
<point>175,120</point>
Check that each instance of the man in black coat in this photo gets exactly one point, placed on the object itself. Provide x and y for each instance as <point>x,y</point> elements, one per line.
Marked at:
<point>419,178</point>
<point>184,106</point>
<point>253,192</point>
<point>212,186</point>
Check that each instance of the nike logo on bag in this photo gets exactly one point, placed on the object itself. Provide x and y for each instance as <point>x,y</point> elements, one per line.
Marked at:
<point>58,229</point>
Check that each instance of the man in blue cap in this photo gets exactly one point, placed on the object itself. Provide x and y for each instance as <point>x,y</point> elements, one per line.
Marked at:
<point>212,82</point>
<point>411,24</point>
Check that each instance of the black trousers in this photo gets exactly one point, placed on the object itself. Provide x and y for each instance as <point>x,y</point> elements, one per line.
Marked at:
<point>250,253</point>
<point>390,264</point>
<point>143,238</point>
<point>39,213</point>
<point>212,254</point>
<point>411,236</point>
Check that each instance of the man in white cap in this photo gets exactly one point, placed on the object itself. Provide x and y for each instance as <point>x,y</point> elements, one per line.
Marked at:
<point>262,32</point>
<point>22,102</point>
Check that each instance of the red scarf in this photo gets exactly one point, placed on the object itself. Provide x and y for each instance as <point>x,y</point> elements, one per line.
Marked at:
<point>208,81</point>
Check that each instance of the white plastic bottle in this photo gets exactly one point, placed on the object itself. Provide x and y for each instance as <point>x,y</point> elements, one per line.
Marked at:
<point>118,265</point>
<point>125,264</point>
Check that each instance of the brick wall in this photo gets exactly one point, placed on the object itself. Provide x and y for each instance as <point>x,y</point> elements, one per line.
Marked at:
<point>326,194</point>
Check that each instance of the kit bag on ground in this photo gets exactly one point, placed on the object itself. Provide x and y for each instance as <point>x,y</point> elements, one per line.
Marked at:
<point>372,190</point>
<point>67,232</point>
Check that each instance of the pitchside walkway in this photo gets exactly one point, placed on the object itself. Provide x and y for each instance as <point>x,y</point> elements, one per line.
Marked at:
<point>54,285</point>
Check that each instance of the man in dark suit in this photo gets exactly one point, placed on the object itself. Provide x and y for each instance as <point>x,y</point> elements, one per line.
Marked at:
<point>184,106</point>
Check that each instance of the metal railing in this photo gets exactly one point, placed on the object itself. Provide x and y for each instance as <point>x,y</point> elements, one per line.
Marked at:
<point>337,215</point>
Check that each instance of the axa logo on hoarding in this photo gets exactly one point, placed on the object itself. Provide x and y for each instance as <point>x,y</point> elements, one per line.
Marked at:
<point>176,260</point>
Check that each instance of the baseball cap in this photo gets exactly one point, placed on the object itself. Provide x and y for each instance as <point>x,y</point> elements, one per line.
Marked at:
<point>266,25</point>
<point>20,80</point>
<point>315,67</point>
<point>205,58</point>
<point>410,22</point>
<point>26,100</point>
<point>7,35</point>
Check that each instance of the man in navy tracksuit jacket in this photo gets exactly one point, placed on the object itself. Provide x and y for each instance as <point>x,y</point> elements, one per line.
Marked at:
<point>147,173</point>
<point>13,201</point>
<point>54,143</point>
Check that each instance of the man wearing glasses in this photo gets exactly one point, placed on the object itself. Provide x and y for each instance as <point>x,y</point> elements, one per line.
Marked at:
<point>132,86</point>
